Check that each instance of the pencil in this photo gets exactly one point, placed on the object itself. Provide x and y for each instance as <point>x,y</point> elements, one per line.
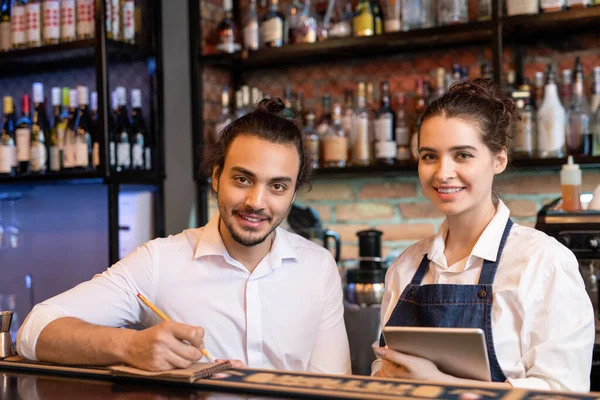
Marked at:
<point>165,318</point>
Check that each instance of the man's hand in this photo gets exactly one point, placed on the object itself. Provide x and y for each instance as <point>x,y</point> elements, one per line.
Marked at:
<point>162,347</point>
<point>399,365</point>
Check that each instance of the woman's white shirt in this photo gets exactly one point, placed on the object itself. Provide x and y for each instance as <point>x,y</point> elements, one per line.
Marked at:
<point>542,318</point>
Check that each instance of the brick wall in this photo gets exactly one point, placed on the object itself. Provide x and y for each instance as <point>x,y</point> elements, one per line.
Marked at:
<point>396,205</point>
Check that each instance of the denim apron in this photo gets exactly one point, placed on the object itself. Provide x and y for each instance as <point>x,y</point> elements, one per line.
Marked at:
<point>452,306</point>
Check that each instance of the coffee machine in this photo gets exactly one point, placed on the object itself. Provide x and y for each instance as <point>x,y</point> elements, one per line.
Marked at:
<point>363,292</point>
<point>305,222</point>
<point>580,232</point>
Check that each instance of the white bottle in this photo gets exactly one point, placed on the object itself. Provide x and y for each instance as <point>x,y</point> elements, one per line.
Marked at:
<point>128,21</point>
<point>19,25</point>
<point>570,186</point>
<point>34,23</point>
<point>85,19</point>
<point>51,21</point>
<point>68,19</point>
<point>551,122</point>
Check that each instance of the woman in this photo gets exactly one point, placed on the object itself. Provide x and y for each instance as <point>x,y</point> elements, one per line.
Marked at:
<point>481,270</point>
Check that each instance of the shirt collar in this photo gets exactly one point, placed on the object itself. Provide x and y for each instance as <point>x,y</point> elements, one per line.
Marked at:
<point>487,245</point>
<point>210,243</point>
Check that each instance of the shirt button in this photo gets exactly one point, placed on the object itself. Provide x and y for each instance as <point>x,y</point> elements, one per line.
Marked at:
<point>482,293</point>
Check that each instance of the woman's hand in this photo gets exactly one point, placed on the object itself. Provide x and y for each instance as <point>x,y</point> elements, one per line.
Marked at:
<point>399,365</point>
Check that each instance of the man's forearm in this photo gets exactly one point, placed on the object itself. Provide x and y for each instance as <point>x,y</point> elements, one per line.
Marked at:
<point>72,341</point>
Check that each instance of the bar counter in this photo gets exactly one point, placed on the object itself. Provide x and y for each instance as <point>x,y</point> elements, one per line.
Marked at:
<point>248,384</point>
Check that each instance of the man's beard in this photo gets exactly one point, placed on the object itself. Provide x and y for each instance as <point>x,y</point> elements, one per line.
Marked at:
<point>241,239</point>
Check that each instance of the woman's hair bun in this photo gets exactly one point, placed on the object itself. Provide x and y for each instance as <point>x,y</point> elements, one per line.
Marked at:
<point>489,91</point>
<point>272,106</point>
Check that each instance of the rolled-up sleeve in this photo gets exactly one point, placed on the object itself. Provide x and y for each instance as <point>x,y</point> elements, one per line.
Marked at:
<point>558,331</point>
<point>108,299</point>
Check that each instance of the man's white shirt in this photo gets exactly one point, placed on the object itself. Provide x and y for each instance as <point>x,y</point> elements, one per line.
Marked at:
<point>287,314</point>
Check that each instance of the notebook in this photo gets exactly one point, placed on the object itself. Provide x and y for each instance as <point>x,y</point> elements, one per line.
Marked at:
<point>198,370</point>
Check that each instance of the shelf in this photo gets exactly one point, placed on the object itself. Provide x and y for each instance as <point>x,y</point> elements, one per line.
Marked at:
<point>552,23</point>
<point>78,53</point>
<point>355,47</point>
<point>587,162</point>
<point>87,177</point>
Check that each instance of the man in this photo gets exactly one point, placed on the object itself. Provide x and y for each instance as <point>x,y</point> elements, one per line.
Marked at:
<point>240,286</point>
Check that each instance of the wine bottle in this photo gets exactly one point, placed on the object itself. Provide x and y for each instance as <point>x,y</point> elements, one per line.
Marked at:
<point>7,140</point>
<point>128,21</point>
<point>69,140</point>
<point>51,21</point>
<point>19,24</point>
<point>23,136</point>
<point>138,132</point>
<point>5,33</point>
<point>83,130</point>
<point>85,19</point>
<point>34,23</point>
<point>39,129</point>
<point>123,129</point>
<point>54,154</point>
<point>112,133</point>
<point>67,20</point>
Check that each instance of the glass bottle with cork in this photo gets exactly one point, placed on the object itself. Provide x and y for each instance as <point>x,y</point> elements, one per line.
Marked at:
<point>274,26</point>
<point>402,131</point>
<point>385,129</point>
<point>579,137</point>
<point>227,32</point>
<point>251,28</point>
<point>335,142</point>
<point>362,117</point>
<point>521,146</point>
<point>311,139</point>
<point>8,165</point>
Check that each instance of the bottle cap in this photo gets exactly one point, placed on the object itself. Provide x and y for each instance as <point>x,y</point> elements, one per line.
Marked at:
<point>38,92</point>
<point>136,98</point>
<point>73,98</point>
<point>570,173</point>
<point>122,95</point>
<point>8,105</point>
<point>65,96</point>
<point>56,93</point>
<point>83,95</point>
<point>570,165</point>
<point>94,101</point>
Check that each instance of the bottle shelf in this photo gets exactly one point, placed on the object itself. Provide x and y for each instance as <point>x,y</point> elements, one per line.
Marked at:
<point>355,47</point>
<point>74,177</point>
<point>78,53</point>
<point>552,23</point>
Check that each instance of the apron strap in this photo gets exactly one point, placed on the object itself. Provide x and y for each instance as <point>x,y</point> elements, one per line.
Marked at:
<point>489,268</point>
<point>421,271</point>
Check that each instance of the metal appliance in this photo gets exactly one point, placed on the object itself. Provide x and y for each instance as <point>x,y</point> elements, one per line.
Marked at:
<point>363,292</point>
<point>6,343</point>
<point>580,232</point>
<point>305,222</point>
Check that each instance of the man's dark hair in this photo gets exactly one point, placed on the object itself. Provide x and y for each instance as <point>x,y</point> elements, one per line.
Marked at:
<point>265,123</point>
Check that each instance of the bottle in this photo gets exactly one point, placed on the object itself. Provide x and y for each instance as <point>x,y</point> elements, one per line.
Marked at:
<point>128,15</point>
<point>226,118</point>
<point>227,31</point>
<point>39,129</point>
<point>85,19</point>
<point>34,23</point>
<point>311,140</point>
<point>596,133</point>
<point>70,141</point>
<point>363,23</point>
<point>451,12</point>
<point>348,119</point>
<point>511,77</point>
<point>420,107</point>
<point>552,5</point>
<point>428,16</point>
<point>325,120</point>
<point>340,24</point>
<point>298,108</point>
<point>521,145</point>
<point>7,141</point>
<point>62,127</point>
<point>578,3</point>
<point>115,19</point>
<point>362,116</point>
<point>579,135</point>
<point>83,131</point>
<point>240,111</point>
<point>335,142</point>
<point>385,129</point>
<point>288,112</point>
<point>54,153</point>
<point>377,17</point>
<point>595,102</point>
<point>138,132</point>
<point>67,20</point>
<point>94,129</point>
<point>112,130</point>
<point>484,10</point>
<point>19,24</point>
<point>123,129</point>
<point>307,32</point>
<point>274,26</point>
<point>402,132</point>
<point>246,104</point>
<point>538,92</point>
<point>440,87</point>
<point>570,186</point>
<point>23,137</point>
<point>566,88</point>
<point>251,28</point>
<point>5,27</point>
<point>551,118</point>
<point>486,71</point>
<point>51,21</point>
<point>392,21</point>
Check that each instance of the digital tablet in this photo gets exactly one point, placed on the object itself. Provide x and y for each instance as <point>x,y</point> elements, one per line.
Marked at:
<point>459,352</point>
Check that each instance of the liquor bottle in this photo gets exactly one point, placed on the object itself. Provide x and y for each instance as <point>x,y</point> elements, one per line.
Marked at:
<point>595,102</point>
<point>392,21</point>
<point>566,88</point>
<point>552,5</point>
<point>298,108</point>
<point>486,71</point>
<point>5,29</point>
<point>19,24</point>
<point>579,135</point>
<point>420,107</point>
<point>551,118</point>
<point>325,120</point>
<point>112,130</point>
<point>311,140</point>
<point>596,132</point>
<point>484,10</point>
<point>385,129</point>
<point>362,117</point>
<point>67,20</point>
<point>227,32</point>
<point>306,29</point>
<point>70,142</point>
<point>274,26</point>
<point>34,23</point>
<point>440,86</point>
<point>23,137</point>
<point>108,19</point>
<point>340,24</point>
<point>138,132</point>
<point>226,117</point>
<point>123,129</point>
<point>348,119</point>
<point>363,23</point>
<point>54,153</point>
<point>39,129</point>
<point>251,28</point>
<point>62,128</point>
<point>7,141</point>
<point>51,21</point>
<point>293,20</point>
<point>115,19</point>
<point>240,111</point>
<point>128,16</point>
<point>402,132</point>
<point>288,112</point>
<point>83,131</point>
<point>538,90</point>
<point>412,15</point>
<point>511,77</point>
<point>255,96</point>
<point>335,142</point>
<point>377,17</point>
<point>521,145</point>
<point>95,129</point>
<point>85,19</point>
<point>451,12</point>
<point>246,104</point>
